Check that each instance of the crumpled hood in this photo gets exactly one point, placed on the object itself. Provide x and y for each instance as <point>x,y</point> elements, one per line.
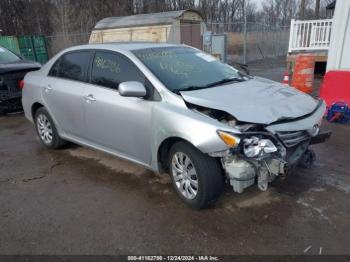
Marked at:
<point>258,100</point>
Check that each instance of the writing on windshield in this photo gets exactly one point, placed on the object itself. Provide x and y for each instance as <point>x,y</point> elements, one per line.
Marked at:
<point>181,68</point>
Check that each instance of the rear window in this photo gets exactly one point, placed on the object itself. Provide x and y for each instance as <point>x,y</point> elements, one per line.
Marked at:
<point>54,69</point>
<point>73,65</point>
<point>7,56</point>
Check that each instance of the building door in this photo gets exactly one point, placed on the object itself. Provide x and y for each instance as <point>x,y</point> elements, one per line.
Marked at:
<point>191,33</point>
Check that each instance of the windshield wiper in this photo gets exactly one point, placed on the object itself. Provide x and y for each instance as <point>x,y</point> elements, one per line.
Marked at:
<point>225,80</point>
<point>190,88</point>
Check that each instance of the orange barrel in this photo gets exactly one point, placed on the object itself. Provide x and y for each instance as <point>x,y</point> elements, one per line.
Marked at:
<point>303,76</point>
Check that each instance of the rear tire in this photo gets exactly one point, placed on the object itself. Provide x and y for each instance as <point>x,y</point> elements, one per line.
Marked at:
<point>196,177</point>
<point>46,130</point>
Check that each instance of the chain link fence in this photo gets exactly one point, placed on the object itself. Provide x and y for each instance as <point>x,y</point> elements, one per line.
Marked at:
<point>262,41</point>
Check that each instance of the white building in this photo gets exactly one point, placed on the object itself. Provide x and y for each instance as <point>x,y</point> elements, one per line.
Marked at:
<point>339,48</point>
<point>336,83</point>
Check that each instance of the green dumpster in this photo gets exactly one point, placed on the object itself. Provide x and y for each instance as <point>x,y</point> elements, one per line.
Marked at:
<point>10,42</point>
<point>33,48</point>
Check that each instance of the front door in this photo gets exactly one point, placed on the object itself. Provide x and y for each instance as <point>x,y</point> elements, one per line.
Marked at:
<point>117,123</point>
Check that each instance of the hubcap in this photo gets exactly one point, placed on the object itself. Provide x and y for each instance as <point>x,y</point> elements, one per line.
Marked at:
<point>185,175</point>
<point>44,129</point>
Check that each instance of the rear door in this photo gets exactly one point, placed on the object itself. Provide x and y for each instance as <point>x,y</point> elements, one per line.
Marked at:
<point>64,89</point>
<point>121,124</point>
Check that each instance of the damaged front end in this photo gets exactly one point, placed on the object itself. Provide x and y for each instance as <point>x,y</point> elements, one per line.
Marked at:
<point>260,159</point>
<point>265,152</point>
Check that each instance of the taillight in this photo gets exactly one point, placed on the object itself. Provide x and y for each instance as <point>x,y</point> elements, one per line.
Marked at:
<point>21,84</point>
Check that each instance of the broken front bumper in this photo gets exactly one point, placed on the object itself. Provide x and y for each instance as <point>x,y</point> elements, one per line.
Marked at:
<point>322,137</point>
<point>243,171</point>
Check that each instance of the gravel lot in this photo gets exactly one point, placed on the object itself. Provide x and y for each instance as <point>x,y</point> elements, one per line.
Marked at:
<point>80,201</point>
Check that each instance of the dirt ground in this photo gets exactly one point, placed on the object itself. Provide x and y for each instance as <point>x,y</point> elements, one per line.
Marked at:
<point>80,201</point>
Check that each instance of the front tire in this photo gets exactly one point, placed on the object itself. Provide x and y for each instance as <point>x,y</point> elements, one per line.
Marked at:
<point>196,177</point>
<point>46,130</point>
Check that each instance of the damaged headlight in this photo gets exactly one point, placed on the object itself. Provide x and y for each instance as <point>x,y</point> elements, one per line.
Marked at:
<point>254,146</point>
<point>229,139</point>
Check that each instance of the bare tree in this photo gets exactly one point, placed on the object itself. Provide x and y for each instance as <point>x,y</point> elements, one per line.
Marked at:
<point>65,17</point>
<point>317,9</point>
<point>302,9</point>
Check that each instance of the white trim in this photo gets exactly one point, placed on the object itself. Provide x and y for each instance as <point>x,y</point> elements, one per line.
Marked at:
<point>310,35</point>
<point>337,50</point>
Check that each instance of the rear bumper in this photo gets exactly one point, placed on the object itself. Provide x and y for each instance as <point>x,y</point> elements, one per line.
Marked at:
<point>11,105</point>
<point>322,137</point>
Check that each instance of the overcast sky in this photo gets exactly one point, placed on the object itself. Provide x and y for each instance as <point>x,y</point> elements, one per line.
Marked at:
<point>258,2</point>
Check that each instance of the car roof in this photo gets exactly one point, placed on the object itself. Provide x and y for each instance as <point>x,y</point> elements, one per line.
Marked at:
<point>122,46</point>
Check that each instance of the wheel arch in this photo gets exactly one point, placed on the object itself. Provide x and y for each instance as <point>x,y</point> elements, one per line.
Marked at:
<point>35,108</point>
<point>164,148</point>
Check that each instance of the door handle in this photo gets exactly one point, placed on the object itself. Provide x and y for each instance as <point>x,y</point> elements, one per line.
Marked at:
<point>90,98</point>
<point>47,88</point>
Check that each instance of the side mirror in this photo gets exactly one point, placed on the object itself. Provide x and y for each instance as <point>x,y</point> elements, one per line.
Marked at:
<point>132,89</point>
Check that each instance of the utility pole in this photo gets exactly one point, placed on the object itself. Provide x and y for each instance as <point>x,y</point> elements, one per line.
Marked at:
<point>245,33</point>
<point>302,9</point>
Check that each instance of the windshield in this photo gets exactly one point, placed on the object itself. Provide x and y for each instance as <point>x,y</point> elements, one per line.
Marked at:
<point>7,56</point>
<point>184,69</point>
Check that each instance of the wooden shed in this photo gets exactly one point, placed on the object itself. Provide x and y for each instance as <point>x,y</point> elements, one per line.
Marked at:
<point>185,26</point>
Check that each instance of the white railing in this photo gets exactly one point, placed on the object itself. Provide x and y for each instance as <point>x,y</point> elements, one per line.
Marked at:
<point>310,35</point>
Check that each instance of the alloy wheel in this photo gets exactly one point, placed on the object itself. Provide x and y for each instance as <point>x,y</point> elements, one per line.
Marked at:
<point>184,175</point>
<point>44,129</point>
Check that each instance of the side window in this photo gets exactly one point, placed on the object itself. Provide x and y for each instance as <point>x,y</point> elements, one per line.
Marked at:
<point>110,70</point>
<point>54,69</point>
<point>74,65</point>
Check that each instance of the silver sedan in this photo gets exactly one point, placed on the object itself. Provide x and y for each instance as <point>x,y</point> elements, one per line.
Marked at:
<point>174,108</point>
